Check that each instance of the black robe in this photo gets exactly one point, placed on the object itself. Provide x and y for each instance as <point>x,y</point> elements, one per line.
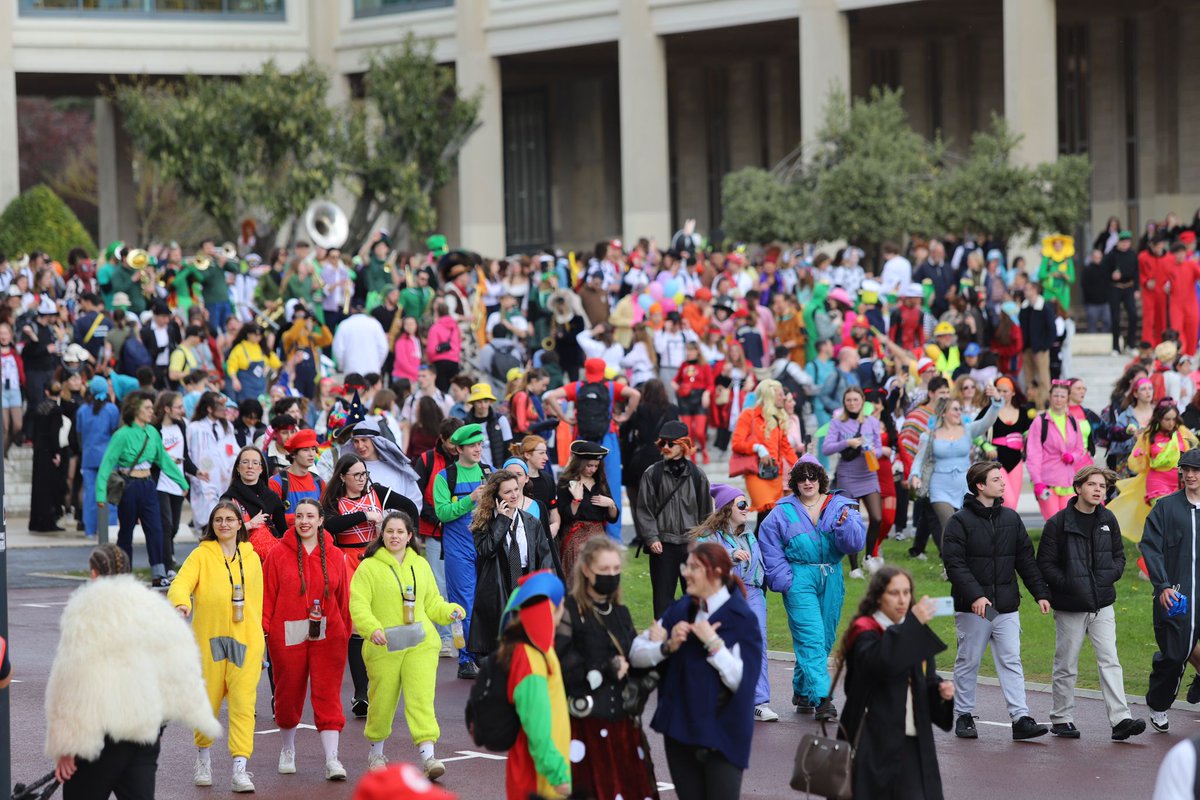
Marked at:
<point>639,443</point>
<point>492,582</point>
<point>49,482</point>
<point>879,670</point>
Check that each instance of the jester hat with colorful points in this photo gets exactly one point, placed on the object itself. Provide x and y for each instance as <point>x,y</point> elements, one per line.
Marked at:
<point>534,600</point>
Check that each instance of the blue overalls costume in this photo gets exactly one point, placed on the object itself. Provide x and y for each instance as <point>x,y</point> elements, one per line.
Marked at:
<point>803,563</point>
<point>95,431</point>
<point>454,508</point>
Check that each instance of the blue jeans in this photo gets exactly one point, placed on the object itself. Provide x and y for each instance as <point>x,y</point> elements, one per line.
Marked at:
<point>218,315</point>
<point>140,504</point>
<point>90,511</point>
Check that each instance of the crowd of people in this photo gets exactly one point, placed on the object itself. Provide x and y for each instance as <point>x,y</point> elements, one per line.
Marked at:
<point>399,457</point>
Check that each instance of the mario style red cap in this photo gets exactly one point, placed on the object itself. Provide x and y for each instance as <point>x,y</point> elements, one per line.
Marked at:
<point>302,439</point>
<point>399,782</point>
<point>703,293</point>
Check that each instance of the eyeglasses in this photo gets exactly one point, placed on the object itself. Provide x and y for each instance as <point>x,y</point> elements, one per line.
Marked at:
<point>358,476</point>
<point>250,462</point>
<point>685,568</point>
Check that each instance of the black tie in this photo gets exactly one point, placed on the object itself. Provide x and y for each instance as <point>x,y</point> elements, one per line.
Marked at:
<point>514,557</point>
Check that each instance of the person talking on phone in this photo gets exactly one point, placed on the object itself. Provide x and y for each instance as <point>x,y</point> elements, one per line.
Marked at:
<point>1081,556</point>
<point>893,691</point>
<point>803,541</point>
<point>984,547</point>
<point>1169,549</point>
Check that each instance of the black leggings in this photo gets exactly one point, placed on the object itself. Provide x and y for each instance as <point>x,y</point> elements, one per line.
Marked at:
<point>125,769</point>
<point>358,669</point>
<point>874,504</point>
<point>170,509</point>
<point>700,773</point>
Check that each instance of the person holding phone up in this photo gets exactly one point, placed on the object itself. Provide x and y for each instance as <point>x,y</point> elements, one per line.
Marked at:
<point>984,547</point>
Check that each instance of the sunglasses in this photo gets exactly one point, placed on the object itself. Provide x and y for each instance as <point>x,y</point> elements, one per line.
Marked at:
<point>742,505</point>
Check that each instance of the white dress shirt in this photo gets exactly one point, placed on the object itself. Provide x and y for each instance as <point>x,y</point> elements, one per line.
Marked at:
<point>727,661</point>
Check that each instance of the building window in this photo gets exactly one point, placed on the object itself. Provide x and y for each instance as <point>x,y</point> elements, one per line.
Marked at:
<point>1073,84</point>
<point>883,67</point>
<point>369,8</point>
<point>241,9</point>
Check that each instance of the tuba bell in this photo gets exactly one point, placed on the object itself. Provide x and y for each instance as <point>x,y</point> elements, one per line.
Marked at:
<point>326,224</point>
<point>137,260</point>
<point>229,251</point>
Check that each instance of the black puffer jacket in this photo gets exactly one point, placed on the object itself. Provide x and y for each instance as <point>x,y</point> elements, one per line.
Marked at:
<point>983,549</point>
<point>1081,568</point>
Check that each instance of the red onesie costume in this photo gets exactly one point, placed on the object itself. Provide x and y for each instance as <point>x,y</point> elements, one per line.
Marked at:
<point>1185,310</point>
<point>1152,268</point>
<point>692,380</point>
<point>286,609</point>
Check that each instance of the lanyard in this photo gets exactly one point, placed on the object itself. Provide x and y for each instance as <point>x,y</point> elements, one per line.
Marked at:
<point>412,572</point>
<point>241,568</point>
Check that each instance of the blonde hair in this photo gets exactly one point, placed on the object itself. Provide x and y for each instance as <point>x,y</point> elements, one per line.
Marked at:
<point>774,415</point>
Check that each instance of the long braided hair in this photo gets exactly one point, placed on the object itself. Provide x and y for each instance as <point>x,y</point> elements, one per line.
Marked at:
<point>308,501</point>
<point>108,559</point>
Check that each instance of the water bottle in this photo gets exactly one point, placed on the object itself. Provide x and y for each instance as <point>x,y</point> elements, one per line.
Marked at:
<point>456,630</point>
<point>410,605</point>
<point>871,460</point>
<point>239,603</point>
<point>314,621</point>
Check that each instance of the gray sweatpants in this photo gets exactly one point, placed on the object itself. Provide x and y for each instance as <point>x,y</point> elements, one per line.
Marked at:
<point>1004,634</point>
<point>1101,627</point>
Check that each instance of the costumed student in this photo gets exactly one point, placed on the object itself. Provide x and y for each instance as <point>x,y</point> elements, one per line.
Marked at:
<point>585,502</point>
<point>1056,449</point>
<point>1056,273</point>
<point>220,588</point>
<point>306,617</point>
<point>394,603</point>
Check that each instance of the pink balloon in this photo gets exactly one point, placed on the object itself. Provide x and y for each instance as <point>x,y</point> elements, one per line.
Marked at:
<point>638,313</point>
<point>668,305</point>
<point>656,291</point>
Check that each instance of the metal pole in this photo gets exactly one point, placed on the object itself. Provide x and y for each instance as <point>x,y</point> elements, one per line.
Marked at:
<point>5,738</point>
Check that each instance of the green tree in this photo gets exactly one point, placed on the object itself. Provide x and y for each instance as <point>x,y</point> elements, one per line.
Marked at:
<point>760,207</point>
<point>398,145</point>
<point>261,142</point>
<point>39,220</point>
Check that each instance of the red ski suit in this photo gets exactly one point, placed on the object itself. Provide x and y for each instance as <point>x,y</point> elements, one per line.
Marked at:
<point>1154,299</point>
<point>285,621</point>
<point>1185,310</point>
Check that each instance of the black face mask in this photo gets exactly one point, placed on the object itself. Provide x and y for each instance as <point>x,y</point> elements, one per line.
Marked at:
<point>606,585</point>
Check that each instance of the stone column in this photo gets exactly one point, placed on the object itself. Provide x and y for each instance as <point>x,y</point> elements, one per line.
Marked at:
<point>10,163</point>
<point>824,61</point>
<point>117,191</point>
<point>481,160</point>
<point>645,147</point>
<point>1031,78</point>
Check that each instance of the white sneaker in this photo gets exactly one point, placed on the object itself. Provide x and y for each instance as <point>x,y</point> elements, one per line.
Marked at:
<point>1159,721</point>
<point>447,650</point>
<point>240,782</point>
<point>857,574</point>
<point>376,761</point>
<point>334,771</point>
<point>921,557</point>
<point>287,762</point>
<point>763,713</point>
<point>434,769</point>
<point>873,564</point>
<point>900,536</point>
<point>203,773</point>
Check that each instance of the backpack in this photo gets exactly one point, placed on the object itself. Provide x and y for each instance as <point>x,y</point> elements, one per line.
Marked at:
<point>133,356</point>
<point>790,384</point>
<point>593,410</point>
<point>491,720</point>
<point>502,362</point>
<point>284,488</point>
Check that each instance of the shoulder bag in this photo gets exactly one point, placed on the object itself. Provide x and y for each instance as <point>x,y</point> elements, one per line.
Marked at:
<point>116,479</point>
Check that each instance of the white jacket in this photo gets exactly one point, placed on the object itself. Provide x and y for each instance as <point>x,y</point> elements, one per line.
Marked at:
<point>126,665</point>
<point>360,344</point>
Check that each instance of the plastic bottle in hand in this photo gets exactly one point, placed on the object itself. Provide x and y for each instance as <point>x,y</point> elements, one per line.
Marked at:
<point>456,630</point>
<point>410,606</point>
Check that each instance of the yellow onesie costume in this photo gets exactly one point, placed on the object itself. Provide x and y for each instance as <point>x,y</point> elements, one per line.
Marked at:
<point>231,653</point>
<point>376,603</point>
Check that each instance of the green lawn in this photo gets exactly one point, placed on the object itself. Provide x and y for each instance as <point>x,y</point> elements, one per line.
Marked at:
<point>1135,634</point>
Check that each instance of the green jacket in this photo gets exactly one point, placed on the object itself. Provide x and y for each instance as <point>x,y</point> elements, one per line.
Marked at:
<point>377,601</point>
<point>213,287</point>
<point>375,275</point>
<point>414,302</point>
<point>114,278</point>
<point>122,452</point>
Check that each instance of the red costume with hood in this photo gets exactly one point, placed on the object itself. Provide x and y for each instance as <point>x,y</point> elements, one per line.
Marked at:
<point>287,601</point>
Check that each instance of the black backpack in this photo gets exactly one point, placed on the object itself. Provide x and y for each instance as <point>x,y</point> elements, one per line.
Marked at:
<point>491,720</point>
<point>593,410</point>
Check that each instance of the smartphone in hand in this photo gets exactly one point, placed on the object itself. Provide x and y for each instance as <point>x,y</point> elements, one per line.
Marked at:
<point>943,606</point>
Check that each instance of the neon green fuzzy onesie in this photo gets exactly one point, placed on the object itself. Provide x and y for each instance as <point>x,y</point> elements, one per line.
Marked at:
<point>377,602</point>
<point>231,653</point>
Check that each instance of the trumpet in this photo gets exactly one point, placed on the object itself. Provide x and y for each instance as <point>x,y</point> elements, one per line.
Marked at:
<point>137,260</point>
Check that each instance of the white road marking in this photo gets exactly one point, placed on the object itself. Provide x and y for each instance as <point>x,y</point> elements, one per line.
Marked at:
<point>304,725</point>
<point>464,755</point>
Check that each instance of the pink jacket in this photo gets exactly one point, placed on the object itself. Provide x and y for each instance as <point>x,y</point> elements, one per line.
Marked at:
<point>445,330</point>
<point>1055,462</point>
<point>408,358</point>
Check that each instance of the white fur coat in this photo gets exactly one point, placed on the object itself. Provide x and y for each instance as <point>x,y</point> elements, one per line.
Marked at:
<point>126,665</point>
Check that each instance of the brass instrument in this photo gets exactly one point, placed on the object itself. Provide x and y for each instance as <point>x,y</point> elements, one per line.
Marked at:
<point>326,224</point>
<point>229,251</point>
<point>201,262</point>
<point>268,320</point>
<point>548,343</point>
<point>349,294</point>
<point>137,260</point>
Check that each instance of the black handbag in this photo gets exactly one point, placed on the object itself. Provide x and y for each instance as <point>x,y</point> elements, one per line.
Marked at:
<point>768,470</point>
<point>115,487</point>
<point>824,766</point>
